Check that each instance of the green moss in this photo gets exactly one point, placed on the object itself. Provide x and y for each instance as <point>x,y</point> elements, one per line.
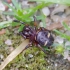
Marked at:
<point>22,61</point>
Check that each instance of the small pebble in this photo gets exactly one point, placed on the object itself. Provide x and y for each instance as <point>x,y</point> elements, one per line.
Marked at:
<point>55,64</point>
<point>41,24</point>
<point>66,54</point>
<point>25,4</point>
<point>2,7</point>
<point>30,55</point>
<point>8,42</point>
<point>46,11</point>
<point>59,40</point>
<point>67,43</point>
<point>26,65</point>
<point>1,56</point>
<point>68,58</point>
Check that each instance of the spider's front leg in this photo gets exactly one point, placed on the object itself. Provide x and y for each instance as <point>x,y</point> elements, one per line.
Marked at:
<point>22,35</point>
<point>18,21</point>
<point>29,45</point>
<point>42,28</point>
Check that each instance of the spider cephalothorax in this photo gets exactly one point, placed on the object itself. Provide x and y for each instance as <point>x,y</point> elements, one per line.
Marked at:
<point>41,36</point>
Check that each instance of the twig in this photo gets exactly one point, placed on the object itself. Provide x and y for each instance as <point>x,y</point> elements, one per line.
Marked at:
<point>17,51</point>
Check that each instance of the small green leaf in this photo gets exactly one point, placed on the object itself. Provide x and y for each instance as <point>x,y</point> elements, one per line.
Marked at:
<point>5,24</point>
<point>18,17</point>
<point>43,19</point>
<point>21,27</point>
<point>38,17</point>
<point>15,24</point>
<point>68,47</point>
<point>20,12</point>
<point>59,49</point>
<point>19,6</point>
<point>9,13</point>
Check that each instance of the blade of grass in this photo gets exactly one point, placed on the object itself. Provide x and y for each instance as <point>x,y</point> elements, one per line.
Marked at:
<point>5,24</point>
<point>20,12</point>
<point>40,6</point>
<point>43,19</point>
<point>18,18</point>
<point>8,5</point>
<point>54,1</point>
<point>15,4</point>
<point>9,13</point>
<point>8,23</point>
<point>21,27</point>
<point>30,12</point>
<point>19,7</point>
<point>66,26</point>
<point>68,47</point>
<point>62,34</point>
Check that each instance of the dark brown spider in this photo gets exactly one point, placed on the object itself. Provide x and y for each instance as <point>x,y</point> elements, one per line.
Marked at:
<point>40,37</point>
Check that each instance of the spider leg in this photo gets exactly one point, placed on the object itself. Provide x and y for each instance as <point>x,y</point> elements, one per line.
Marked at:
<point>18,21</point>
<point>22,35</point>
<point>29,45</point>
<point>35,28</point>
<point>41,48</point>
<point>42,28</point>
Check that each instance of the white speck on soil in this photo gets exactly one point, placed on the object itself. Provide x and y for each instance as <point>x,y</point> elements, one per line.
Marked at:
<point>30,55</point>
<point>1,56</point>
<point>56,64</point>
<point>26,65</point>
<point>8,42</point>
<point>59,40</point>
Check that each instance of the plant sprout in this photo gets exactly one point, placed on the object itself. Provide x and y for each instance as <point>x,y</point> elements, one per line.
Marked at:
<point>25,15</point>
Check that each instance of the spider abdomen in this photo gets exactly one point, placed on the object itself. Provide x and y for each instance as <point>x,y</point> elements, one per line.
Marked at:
<point>44,38</point>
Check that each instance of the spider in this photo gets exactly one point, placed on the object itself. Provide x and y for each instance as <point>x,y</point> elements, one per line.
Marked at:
<point>40,37</point>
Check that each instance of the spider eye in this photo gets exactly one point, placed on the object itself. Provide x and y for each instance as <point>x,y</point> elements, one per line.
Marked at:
<point>26,33</point>
<point>26,28</point>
